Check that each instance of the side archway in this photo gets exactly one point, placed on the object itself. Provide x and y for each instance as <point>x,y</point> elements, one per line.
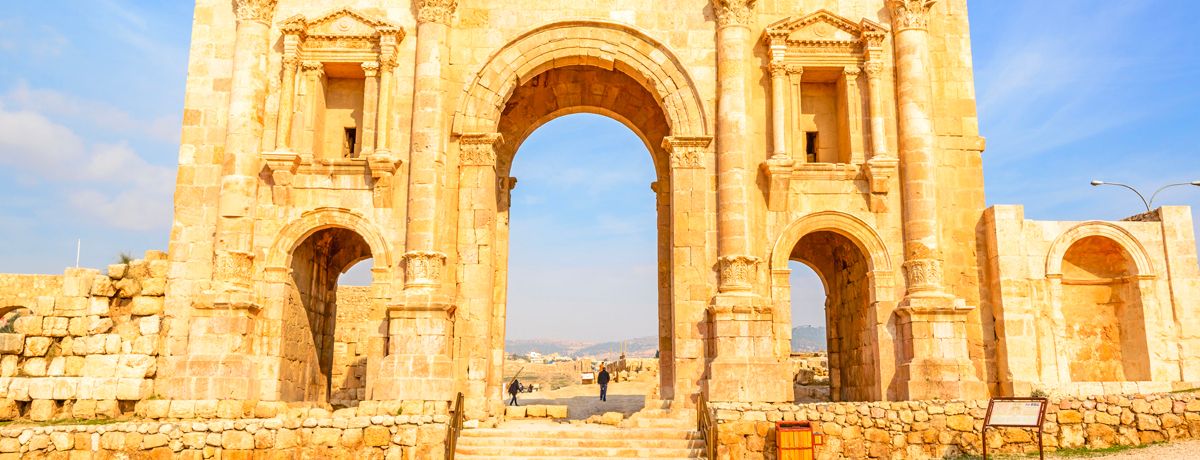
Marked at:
<point>292,235</point>
<point>856,272</point>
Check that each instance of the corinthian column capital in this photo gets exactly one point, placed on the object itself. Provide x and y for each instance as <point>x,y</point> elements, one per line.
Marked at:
<point>733,12</point>
<point>910,14</point>
<point>479,149</point>
<point>439,11</point>
<point>254,10</point>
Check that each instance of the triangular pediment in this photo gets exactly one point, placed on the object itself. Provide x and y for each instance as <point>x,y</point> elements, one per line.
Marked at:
<point>346,22</point>
<point>821,26</point>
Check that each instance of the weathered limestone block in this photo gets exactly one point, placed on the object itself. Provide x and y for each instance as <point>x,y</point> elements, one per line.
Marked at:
<point>55,326</point>
<point>41,410</point>
<point>154,287</point>
<point>117,271</point>
<point>36,346</point>
<point>128,288</point>
<point>102,286</point>
<point>12,344</point>
<point>135,366</point>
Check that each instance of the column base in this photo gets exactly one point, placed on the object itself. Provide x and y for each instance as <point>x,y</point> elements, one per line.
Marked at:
<point>933,327</point>
<point>749,380</point>
<point>745,368</point>
<point>415,377</point>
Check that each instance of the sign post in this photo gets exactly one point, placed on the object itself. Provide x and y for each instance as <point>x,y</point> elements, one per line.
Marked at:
<point>1015,413</point>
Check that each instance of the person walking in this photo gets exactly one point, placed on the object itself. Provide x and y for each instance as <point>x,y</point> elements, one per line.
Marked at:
<point>602,379</point>
<point>513,389</point>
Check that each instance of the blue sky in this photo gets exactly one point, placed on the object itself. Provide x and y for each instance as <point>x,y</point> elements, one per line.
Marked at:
<point>1069,91</point>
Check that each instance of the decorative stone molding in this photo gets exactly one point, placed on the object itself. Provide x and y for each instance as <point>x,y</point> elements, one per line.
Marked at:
<point>237,269</point>
<point>478,149</point>
<point>923,274</point>
<point>423,268</point>
<point>779,177</point>
<point>821,35</point>
<point>439,11</point>
<point>686,152</point>
<point>910,14</point>
<point>733,12</point>
<point>255,10</point>
<point>873,69</point>
<point>778,69</point>
<point>370,69</point>
<point>382,164</point>
<point>737,272</point>
<point>342,35</point>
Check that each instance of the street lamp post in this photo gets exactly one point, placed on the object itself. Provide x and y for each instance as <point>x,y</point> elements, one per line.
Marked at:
<point>1148,203</point>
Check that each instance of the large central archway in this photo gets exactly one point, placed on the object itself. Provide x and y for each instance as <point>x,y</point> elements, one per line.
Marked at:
<point>615,71</point>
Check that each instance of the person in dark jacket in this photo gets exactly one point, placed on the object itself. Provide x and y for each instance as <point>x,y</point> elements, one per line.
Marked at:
<point>602,379</point>
<point>513,389</point>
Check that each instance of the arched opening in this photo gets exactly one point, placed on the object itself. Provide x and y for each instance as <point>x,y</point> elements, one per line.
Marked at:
<point>587,187</point>
<point>809,341</point>
<point>852,351</point>
<point>1105,327</point>
<point>583,263</point>
<point>324,324</point>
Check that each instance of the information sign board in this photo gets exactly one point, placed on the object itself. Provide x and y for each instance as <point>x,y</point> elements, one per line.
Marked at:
<point>1016,413</point>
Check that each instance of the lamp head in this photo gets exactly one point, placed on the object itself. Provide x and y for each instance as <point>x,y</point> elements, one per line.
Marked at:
<point>1100,182</point>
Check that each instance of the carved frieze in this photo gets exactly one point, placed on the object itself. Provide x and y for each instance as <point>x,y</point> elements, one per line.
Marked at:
<point>910,14</point>
<point>737,272</point>
<point>423,268</point>
<point>439,11</point>
<point>478,149</point>
<point>733,12</point>
<point>234,267</point>
<point>343,35</point>
<point>255,10</point>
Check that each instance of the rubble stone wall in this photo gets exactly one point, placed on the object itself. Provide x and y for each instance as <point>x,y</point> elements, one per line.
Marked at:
<point>88,345</point>
<point>940,429</point>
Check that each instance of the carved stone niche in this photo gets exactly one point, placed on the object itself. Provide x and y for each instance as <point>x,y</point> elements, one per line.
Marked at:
<point>820,58</point>
<point>336,94</point>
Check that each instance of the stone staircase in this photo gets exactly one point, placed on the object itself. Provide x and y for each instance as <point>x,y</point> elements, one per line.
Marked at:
<point>649,436</point>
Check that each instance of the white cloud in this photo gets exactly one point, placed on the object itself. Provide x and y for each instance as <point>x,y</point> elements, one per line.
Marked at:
<point>105,181</point>
<point>61,105</point>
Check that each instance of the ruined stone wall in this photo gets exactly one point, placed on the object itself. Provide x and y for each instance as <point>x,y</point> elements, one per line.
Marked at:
<point>350,344</point>
<point>1093,307</point>
<point>89,344</point>
<point>940,429</point>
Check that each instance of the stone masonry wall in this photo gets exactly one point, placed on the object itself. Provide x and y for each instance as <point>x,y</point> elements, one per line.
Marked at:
<point>298,433</point>
<point>89,344</point>
<point>939,429</point>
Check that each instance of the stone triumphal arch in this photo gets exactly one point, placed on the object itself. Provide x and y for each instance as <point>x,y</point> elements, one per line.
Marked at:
<point>838,134</point>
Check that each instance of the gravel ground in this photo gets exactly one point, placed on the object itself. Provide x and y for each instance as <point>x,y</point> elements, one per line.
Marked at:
<point>1183,450</point>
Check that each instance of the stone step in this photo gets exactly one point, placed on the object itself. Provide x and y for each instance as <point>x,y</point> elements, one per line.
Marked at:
<point>512,451</point>
<point>556,457</point>
<point>484,442</point>
<point>585,433</point>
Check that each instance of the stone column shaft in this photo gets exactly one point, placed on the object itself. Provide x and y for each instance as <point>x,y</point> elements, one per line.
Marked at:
<point>240,165</point>
<point>879,143</point>
<point>382,135</point>
<point>733,142</point>
<point>918,156</point>
<point>427,143</point>
<point>779,150</point>
<point>370,107</point>
<point>287,97</point>
<point>853,113</point>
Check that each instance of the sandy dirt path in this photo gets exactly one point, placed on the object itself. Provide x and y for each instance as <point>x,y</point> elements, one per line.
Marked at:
<point>583,401</point>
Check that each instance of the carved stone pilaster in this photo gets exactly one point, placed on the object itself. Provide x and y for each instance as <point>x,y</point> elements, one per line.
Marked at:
<point>255,10</point>
<point>737,272</point>
<point>686,151</point>
<point>439,11</point>
<point>423,268</point>
<point>910,14</point>
<point>478,149</point>
<point>733,12</point>
<point>923,274</point>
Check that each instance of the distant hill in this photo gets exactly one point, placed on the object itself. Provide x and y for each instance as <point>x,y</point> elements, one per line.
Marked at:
<point>804,338</point>
<point>809,338</point>
<point>642,347</point>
